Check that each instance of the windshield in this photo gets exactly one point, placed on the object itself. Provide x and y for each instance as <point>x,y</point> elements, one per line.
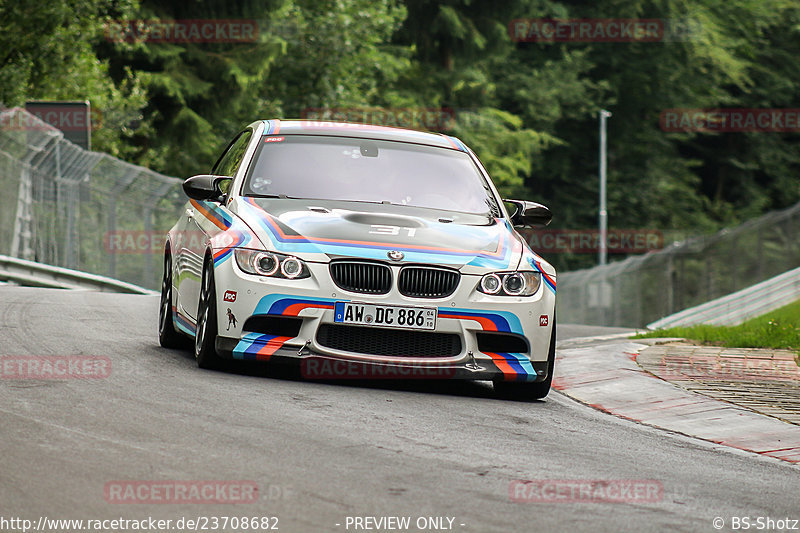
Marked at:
<point>365,170</point>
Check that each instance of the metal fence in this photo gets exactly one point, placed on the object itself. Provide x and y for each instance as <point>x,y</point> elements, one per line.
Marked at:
<point>643,289</point>
<point>83,210</point>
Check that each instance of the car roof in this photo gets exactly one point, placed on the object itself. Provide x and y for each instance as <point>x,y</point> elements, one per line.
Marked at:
<point>365,131</point>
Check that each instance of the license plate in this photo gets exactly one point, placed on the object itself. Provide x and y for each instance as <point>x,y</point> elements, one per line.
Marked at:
<point>394,316</point>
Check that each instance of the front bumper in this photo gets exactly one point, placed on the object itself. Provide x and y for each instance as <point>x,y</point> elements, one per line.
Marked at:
<point>466,313</point>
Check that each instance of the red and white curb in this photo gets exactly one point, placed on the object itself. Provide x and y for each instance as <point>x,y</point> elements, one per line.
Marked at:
<point>607,378</point>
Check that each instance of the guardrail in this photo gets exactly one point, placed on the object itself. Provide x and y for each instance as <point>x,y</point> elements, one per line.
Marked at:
<point>737,307</point>
<point>33,274</point>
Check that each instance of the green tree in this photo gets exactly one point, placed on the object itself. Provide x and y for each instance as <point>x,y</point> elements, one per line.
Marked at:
<point>47,52</point>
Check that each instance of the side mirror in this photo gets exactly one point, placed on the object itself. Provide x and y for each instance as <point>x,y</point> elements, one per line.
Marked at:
<point>207,187</point>
<point>530,214</point>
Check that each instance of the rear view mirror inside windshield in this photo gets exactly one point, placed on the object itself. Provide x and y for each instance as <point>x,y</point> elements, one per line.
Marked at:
<point>369,149</point>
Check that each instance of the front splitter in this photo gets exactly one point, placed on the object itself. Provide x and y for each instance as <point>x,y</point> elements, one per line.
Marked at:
<point>315,365</point>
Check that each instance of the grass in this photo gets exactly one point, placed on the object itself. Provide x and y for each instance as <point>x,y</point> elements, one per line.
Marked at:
<point>776,329</point>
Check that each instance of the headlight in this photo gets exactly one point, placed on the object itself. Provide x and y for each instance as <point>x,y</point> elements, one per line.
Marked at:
<point>291,267</point>
<point>266,264</point>
<point>491,284</point>
<point>270,264</point>
<point>514,284</point>
<point>510,283</point>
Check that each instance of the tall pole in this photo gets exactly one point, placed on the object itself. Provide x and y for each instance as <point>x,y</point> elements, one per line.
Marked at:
<point>603,252</point>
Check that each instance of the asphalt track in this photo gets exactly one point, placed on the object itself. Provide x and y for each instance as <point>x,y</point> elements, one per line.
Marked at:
<point>320,452</point>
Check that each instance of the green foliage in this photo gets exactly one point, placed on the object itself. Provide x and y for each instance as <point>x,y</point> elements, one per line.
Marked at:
<point>47,52</point>
<point>338,54</point>
<point>778,329</point>
<point>199,94</point>
<point>529,110</point>
<point>503,145</point>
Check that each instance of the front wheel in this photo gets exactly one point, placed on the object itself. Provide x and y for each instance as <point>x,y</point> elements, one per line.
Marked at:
<point>530,391</point>
<point>168,337</point>
<point>206,332</point>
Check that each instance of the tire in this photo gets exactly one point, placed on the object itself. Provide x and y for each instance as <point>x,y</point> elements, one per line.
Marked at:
<point>530,391</point>
<point>168,336</point>
<point>206,331</point>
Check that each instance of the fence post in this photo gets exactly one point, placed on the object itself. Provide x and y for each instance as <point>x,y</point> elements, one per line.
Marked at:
<point>128,178</point>
<point>148,226</point>
<point>23,223</point>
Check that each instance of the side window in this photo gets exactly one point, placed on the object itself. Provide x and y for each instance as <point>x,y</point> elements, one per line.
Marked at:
<point>229,163</point>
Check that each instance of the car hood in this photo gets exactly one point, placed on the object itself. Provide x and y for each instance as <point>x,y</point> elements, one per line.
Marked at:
<point>317,230</point>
